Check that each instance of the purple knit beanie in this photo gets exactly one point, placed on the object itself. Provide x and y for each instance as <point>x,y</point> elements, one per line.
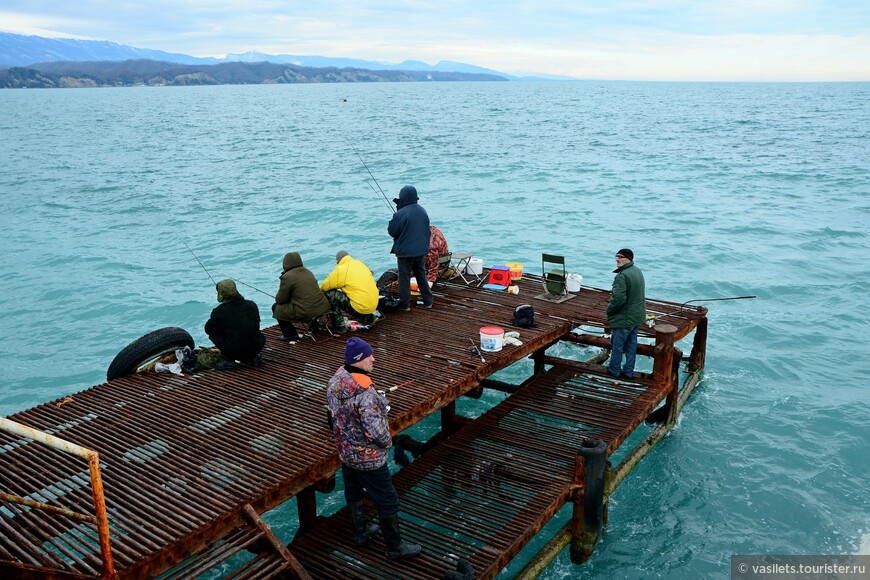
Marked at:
<point>356,350</point>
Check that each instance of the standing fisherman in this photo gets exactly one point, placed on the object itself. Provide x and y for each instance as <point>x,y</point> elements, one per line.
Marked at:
<point>409,229</point>
<point>362,438</point>
<point>626,311</point>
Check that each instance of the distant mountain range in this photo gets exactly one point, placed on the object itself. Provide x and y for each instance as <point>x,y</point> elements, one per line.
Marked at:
<point>154,73</point>
<point>17,50</point>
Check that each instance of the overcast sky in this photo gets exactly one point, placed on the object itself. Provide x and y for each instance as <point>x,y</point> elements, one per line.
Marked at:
<point>744,40</point>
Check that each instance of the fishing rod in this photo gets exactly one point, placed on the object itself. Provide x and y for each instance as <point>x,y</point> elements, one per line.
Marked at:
<point>384,197</point>
<point>473,350</point>
<point>383,392</point>
<point>389,206</point>
<point>198,260</point>
<point>224,275</point>
<point>683,305</point>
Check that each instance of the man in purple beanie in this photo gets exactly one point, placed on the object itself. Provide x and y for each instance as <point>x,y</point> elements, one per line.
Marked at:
<point>362,438</point>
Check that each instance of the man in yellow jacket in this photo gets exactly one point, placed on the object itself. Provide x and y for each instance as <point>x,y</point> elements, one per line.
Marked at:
<point>351,288</point>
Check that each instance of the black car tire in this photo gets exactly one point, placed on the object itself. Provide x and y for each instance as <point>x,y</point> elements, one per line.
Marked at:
<point>147,349</point>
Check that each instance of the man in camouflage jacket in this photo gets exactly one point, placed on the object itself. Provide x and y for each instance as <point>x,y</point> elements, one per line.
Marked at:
<point>358,413</point>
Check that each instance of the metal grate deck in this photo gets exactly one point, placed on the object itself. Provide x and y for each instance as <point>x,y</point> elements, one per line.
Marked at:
<point>484,493</point>
<point>181,456</point>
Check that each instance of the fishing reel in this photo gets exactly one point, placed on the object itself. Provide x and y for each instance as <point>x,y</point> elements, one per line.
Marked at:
<point>476,352</point>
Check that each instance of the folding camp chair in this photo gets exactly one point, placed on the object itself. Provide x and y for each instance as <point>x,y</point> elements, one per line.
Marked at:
<point>445,269</point>
<point>463,267</point>
<point>554,278</point>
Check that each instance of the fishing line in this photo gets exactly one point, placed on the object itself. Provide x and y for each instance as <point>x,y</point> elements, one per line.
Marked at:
<point>237,281</point>
<point>384,197</point>
<point>198,260</point>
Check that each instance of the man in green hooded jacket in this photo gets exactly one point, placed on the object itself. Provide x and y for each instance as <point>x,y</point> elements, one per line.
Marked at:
<point>298,299</point>
<point>626,311</point>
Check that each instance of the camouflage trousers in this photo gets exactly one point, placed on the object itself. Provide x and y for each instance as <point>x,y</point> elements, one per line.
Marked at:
<point>340,304</point>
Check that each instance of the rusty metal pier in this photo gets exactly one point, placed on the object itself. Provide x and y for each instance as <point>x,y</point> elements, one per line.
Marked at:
<point>186,464</point>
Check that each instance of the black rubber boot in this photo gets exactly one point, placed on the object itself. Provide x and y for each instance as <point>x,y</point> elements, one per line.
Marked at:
<point>362,530</point>
<point>396,547</point>
<point>225,365</point>
<point>336,324</point>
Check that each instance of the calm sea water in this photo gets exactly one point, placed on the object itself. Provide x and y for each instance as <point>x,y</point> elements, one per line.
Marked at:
<point>720,189</point>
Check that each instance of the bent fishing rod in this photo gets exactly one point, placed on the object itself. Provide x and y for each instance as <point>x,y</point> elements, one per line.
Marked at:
<point>683,305</point>
<point>384,197</point>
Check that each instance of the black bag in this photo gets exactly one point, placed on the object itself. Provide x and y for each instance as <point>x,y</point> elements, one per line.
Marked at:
<point>188,360</point>
<point>387,278</point>
<point>524,316</point>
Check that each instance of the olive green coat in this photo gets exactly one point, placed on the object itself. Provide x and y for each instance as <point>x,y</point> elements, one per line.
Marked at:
<point>627,306</point>
<point>299,297</point>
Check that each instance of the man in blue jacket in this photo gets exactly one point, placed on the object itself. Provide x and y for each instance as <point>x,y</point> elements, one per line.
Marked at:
<point>409,229</point>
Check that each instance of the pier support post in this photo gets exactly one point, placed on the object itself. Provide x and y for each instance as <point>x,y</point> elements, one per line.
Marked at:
<point>306,505</point>
<point>538,358</point>
<point>450,424</point>
<point>587,520</point>
<point>663,367</point>
<point>699,347</point>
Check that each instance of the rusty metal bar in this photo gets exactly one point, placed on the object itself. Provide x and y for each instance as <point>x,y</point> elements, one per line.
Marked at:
<point>49,508</point>
<point>93,459</point>
<point>298,571</point>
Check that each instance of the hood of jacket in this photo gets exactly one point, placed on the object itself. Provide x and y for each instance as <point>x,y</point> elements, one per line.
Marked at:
<point>292,260</point>
<point>407,196</point>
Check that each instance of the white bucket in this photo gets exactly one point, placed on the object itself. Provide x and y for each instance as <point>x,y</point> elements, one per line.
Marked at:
<point>475,266</point>
<point>491,338</point>
<point>573,282</point>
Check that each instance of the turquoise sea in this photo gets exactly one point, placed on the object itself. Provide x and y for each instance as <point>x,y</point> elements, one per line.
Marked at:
<point>720,189</point>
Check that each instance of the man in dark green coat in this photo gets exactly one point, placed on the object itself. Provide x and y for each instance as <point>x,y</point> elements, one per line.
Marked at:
<point>299,298</point>
<point>626,311</point>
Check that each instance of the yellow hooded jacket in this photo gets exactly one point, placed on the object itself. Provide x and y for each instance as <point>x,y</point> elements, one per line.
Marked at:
<point>354,279</point>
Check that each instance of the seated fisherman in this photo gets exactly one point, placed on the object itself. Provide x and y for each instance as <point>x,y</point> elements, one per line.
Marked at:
<point>437,249</point>
<point>351,288</point>
<point>234,327</point>
<point>298,299</point>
